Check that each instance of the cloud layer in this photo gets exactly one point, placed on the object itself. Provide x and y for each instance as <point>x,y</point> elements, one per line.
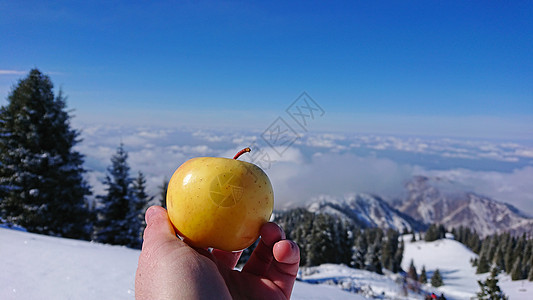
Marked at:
<point>323,163</point>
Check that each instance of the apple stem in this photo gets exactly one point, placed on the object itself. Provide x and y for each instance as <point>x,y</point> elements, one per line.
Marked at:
<point>247,149</point>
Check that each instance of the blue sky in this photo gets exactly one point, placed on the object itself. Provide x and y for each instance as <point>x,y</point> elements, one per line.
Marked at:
<point>392,77</point>
<point>418,67</point>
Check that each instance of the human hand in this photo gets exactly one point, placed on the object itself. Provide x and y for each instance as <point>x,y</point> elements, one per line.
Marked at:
<point>170,269</point>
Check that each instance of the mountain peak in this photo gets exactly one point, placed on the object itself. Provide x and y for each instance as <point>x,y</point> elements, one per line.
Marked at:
<point>364,210</point>
<point>437,200</point>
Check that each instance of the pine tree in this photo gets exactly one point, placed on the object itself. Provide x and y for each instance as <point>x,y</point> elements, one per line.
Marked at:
<point>508,254</point>
<point>482,265</point>
<point>436,279</point>
<point>360,250</point>
<point>474,242</point>
<point>530,275</point>
<point>163,193</point>
<point>412,273</point>
<point>527,256</point>
<point>343,240</point>
<point>441,231</point>
<point>498,259</point>
<point>143,200</point>
<point>373,256</point>
<point>516,271</point>
<point>490,289</point>
<point>41,175</point>
<point>423,276</point>
<point>118,221</point>
<point>398,256</point>
<point>390,247</point>
<point>434,233</point>
<point>321,246</point>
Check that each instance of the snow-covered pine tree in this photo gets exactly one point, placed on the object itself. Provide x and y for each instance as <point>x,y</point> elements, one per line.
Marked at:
<point>321,245</point>
<point>342,237</point>
<point>41,176</point>
<point>398,256</point>
<point>117,211</point>
<point>390,247</point>
<point>373,256</point>
<point>490,289</point>
<point>360,250</point>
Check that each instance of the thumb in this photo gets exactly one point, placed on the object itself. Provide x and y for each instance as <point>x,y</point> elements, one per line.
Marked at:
<point>158,227</point>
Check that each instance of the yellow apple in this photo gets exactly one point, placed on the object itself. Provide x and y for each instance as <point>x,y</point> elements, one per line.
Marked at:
<point>219,202</point>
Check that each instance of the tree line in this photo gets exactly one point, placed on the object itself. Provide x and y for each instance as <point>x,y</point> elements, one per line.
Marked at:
<point>324,238</point>
<point>504,252</point>
<point>42,185</point>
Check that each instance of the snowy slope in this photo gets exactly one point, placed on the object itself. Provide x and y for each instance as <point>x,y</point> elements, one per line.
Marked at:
<point>362,282</point>
<point>449,256</point>
<point>41,267</point>
<point>453,261</point>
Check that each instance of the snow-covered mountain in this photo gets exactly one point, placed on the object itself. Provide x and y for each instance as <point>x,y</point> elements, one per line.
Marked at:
<point>364,210</point>
<point>436,200</point>
<point>428,201</point>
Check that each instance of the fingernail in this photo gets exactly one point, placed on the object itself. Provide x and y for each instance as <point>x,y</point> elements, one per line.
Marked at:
<point>149,213</point>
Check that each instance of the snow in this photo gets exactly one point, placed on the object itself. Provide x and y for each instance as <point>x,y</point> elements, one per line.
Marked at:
<point>453,261</point>
<point>42,267</point>
<point>519,289</point>
<point>366,283</point>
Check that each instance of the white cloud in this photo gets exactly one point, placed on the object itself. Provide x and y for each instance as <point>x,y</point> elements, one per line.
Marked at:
<point>316,141</point>
<point>320,164</point>
<point>209,137</point>
<point>338,174</point>
<point>153,134</point>
<point>497,155</point>
<point>12,72</point>
<point>524,152</point>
